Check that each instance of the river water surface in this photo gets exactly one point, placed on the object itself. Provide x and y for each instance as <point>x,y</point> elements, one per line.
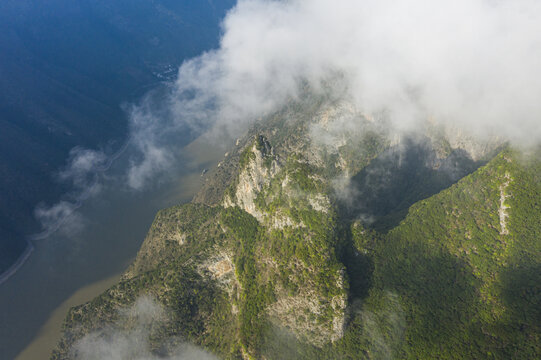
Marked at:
<point>68,269</point>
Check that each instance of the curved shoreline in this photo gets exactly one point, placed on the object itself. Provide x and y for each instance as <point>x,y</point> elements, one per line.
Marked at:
<point>17,264</point>
<point>107,249</point>
<point>4,276</point>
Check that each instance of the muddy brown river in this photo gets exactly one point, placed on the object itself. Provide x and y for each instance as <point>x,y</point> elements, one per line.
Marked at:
<point>66,270</point>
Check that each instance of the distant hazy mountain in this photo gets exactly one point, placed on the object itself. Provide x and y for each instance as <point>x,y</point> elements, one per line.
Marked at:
<point>317,239</point>
<point>65,68</point>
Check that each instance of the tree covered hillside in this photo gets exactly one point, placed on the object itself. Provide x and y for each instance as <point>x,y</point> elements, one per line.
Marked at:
<point>288,254</point>
<point>468,284</point>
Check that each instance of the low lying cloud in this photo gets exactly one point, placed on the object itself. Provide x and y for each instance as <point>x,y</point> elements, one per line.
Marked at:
<point>131,338</point>
<point>149,130</point>
<point>467,62</point>
<point>472,65</point>
<point>83,165</point>
<point>61,216</point>
<point>83,176</point>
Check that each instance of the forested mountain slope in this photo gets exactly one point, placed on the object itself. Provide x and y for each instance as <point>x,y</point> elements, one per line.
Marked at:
<point>318,237</point>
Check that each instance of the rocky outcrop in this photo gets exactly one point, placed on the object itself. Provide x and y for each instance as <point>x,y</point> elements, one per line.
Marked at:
<point>258,167</point>
<point>264,179</point>
<point>301,314</point>
<point>502,212</point>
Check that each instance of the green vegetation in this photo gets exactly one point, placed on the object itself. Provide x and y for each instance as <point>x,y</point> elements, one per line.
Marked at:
<point>452,270</point>
<point>175,234</point>
<point>198,310</point>
<point>255,295</point>
<point>445,283</point>
<point>449,270</point>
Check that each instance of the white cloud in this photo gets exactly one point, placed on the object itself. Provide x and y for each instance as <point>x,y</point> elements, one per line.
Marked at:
<point>151,129</point>
<point>473,64</point>
<point>83,170</point>
<point>61,217</point>
<point>83,174</point>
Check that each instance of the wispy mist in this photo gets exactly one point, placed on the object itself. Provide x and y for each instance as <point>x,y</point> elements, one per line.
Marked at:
<point>472,65</point>
<point>132,337</point>
<point>83,174</point>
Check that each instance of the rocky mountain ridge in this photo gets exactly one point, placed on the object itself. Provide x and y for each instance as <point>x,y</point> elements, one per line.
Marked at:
<point>323,235</point>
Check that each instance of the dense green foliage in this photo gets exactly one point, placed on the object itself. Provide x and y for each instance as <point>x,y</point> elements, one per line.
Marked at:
<point>198,309</point>
<point>172,229</point>
<point>255,295</point>
<point>450,269</point>
<point>445,283</point>
<point>465,289</point>
<point>312,237</point>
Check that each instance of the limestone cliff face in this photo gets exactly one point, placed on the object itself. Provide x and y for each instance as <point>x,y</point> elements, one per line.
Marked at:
<point>478,149</point>
<point>286,186</point>
<point>258,168</point>
<point>273,190</point>
<point>300,313</point>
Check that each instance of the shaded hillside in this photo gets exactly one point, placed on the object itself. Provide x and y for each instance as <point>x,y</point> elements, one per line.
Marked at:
<point>452,266</point>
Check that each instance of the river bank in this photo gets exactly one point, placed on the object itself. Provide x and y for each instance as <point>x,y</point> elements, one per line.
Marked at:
<point>50,332</point>
<point>34,300</point>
